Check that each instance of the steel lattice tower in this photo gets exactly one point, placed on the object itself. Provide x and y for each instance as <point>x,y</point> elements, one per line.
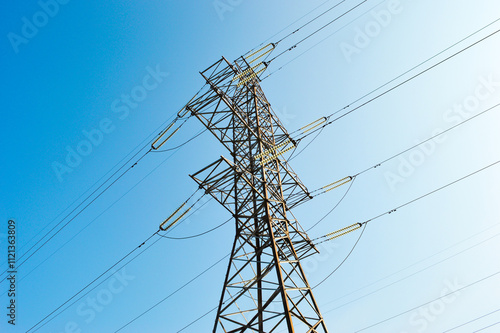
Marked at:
<point>265,289</point>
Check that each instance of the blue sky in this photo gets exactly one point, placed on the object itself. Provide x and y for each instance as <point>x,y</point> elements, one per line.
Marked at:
<point>68,76</point>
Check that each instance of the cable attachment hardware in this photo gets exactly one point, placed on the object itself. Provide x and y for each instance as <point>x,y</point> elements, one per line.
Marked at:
<point>186,109</point>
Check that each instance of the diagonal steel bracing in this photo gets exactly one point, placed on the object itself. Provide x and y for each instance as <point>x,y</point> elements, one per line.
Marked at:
<point>265,288</point>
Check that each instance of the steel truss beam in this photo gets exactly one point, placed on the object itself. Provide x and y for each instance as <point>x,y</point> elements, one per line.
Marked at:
<point>265,289</point>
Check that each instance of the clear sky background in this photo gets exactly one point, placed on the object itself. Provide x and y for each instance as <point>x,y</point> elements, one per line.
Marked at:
<point>62,78</point>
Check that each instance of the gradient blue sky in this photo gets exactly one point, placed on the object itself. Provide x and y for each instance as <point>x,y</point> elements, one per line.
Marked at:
<point>64,79</point>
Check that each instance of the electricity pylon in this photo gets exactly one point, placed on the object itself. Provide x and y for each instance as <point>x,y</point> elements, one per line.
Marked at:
<point>265,289</point>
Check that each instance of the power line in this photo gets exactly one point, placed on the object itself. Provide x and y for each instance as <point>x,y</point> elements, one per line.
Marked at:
<point>320,129</point>
<point>102,177</point>
<point>334,207</point>
<point>197,319</point>
<point>314,19</point>
<point>182,144</point>
<point>389,212</point>
<point>403,205</point>
<point>173,293</point>
<point>315,32</point>
<point>93,220</point>
<point>358,239</point>
<point>429,139</point>
<point>78,213</point>
<point>443,296</point>
<point>354,177</point>
<point>482,329</point>
<point>295,58</point>
<point>419,261</point>
<point>53,253</point>
<point>401,83</point>
<point>432,192</point>
<point>407,80</point>
<point>297,20</point>
<point>190,236</point>
<point>411,69</point>
<point>365,223</point>
<point>394,210</point>
<point>100,283</point>
<point>308,144</point>
<point>424,195</point>
<point>86,286</point>
<point>473,320</point>
<point>200,234</point>
<point>342,262</point>
<point>187,217</point>
<point>97,278</point>
<point>409,275</point>
<point>399,280</point>
<point>100,186</point>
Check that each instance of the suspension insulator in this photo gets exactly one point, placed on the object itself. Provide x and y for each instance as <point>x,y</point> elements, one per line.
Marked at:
<point>272,45</point>
<point>276,155</point>
<point>343,231</point>
<point>245,80</point>
<point>313,125</point>
<point>162,134</point>
<point>263,54</point>
<point>182,215</point>
<point>162,225</point>
<point>172,215</point>
<point>336,184</point>
<point>271,150</point>
<point>244,73</point>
